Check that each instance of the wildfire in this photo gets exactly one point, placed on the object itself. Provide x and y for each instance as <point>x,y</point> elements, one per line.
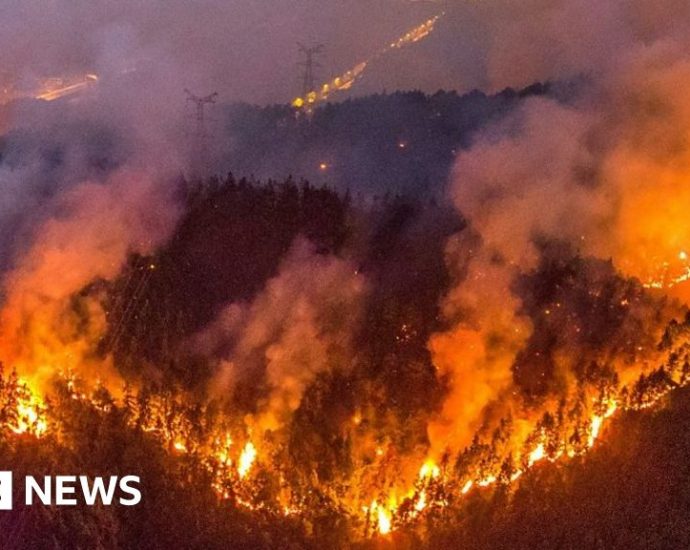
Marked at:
<point>597,421</point>
<point>383,514</point>
<point>429,470</point>
<point>165,419</point>
<point>338,84</point>
<point>536,455</point>
<point>222,452</point>
<point>247,459</point>
<point>29,415</point>
<point>670,274</point>
<point>382,517</point>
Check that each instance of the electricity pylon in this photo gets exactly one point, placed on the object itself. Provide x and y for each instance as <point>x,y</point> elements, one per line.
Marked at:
<point>308,77</point>
<point>200,160</point>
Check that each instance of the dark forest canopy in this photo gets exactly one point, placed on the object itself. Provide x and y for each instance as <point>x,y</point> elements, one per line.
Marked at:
<point>398,143</point>
<point>401,143</point>
<point>231,241</point>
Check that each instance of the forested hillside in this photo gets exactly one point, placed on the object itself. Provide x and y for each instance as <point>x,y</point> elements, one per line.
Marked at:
<point>397,143</point>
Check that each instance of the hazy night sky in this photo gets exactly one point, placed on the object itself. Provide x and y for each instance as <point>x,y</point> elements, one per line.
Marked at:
<point>244,49</point>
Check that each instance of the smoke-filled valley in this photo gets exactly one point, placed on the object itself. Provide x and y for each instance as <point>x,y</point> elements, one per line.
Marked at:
<point>405,320</point>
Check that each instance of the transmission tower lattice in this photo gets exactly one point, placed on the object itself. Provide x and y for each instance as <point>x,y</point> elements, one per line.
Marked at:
<point>201,134</point>
<point>309,64</point>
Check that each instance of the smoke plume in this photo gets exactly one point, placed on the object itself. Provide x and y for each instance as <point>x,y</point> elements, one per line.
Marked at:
<point>604,173</point>
<point>47,322</point>
<point>299,326</point>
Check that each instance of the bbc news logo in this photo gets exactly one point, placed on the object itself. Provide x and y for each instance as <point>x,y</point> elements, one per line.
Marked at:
<point>72,490</point>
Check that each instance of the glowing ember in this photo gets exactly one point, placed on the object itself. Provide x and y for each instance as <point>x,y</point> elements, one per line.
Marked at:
<point>670,273</point>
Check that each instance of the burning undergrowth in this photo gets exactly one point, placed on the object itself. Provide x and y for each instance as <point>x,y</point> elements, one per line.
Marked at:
<point>284,402</point>
<point>349,366</point>
<point>356,370</point>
